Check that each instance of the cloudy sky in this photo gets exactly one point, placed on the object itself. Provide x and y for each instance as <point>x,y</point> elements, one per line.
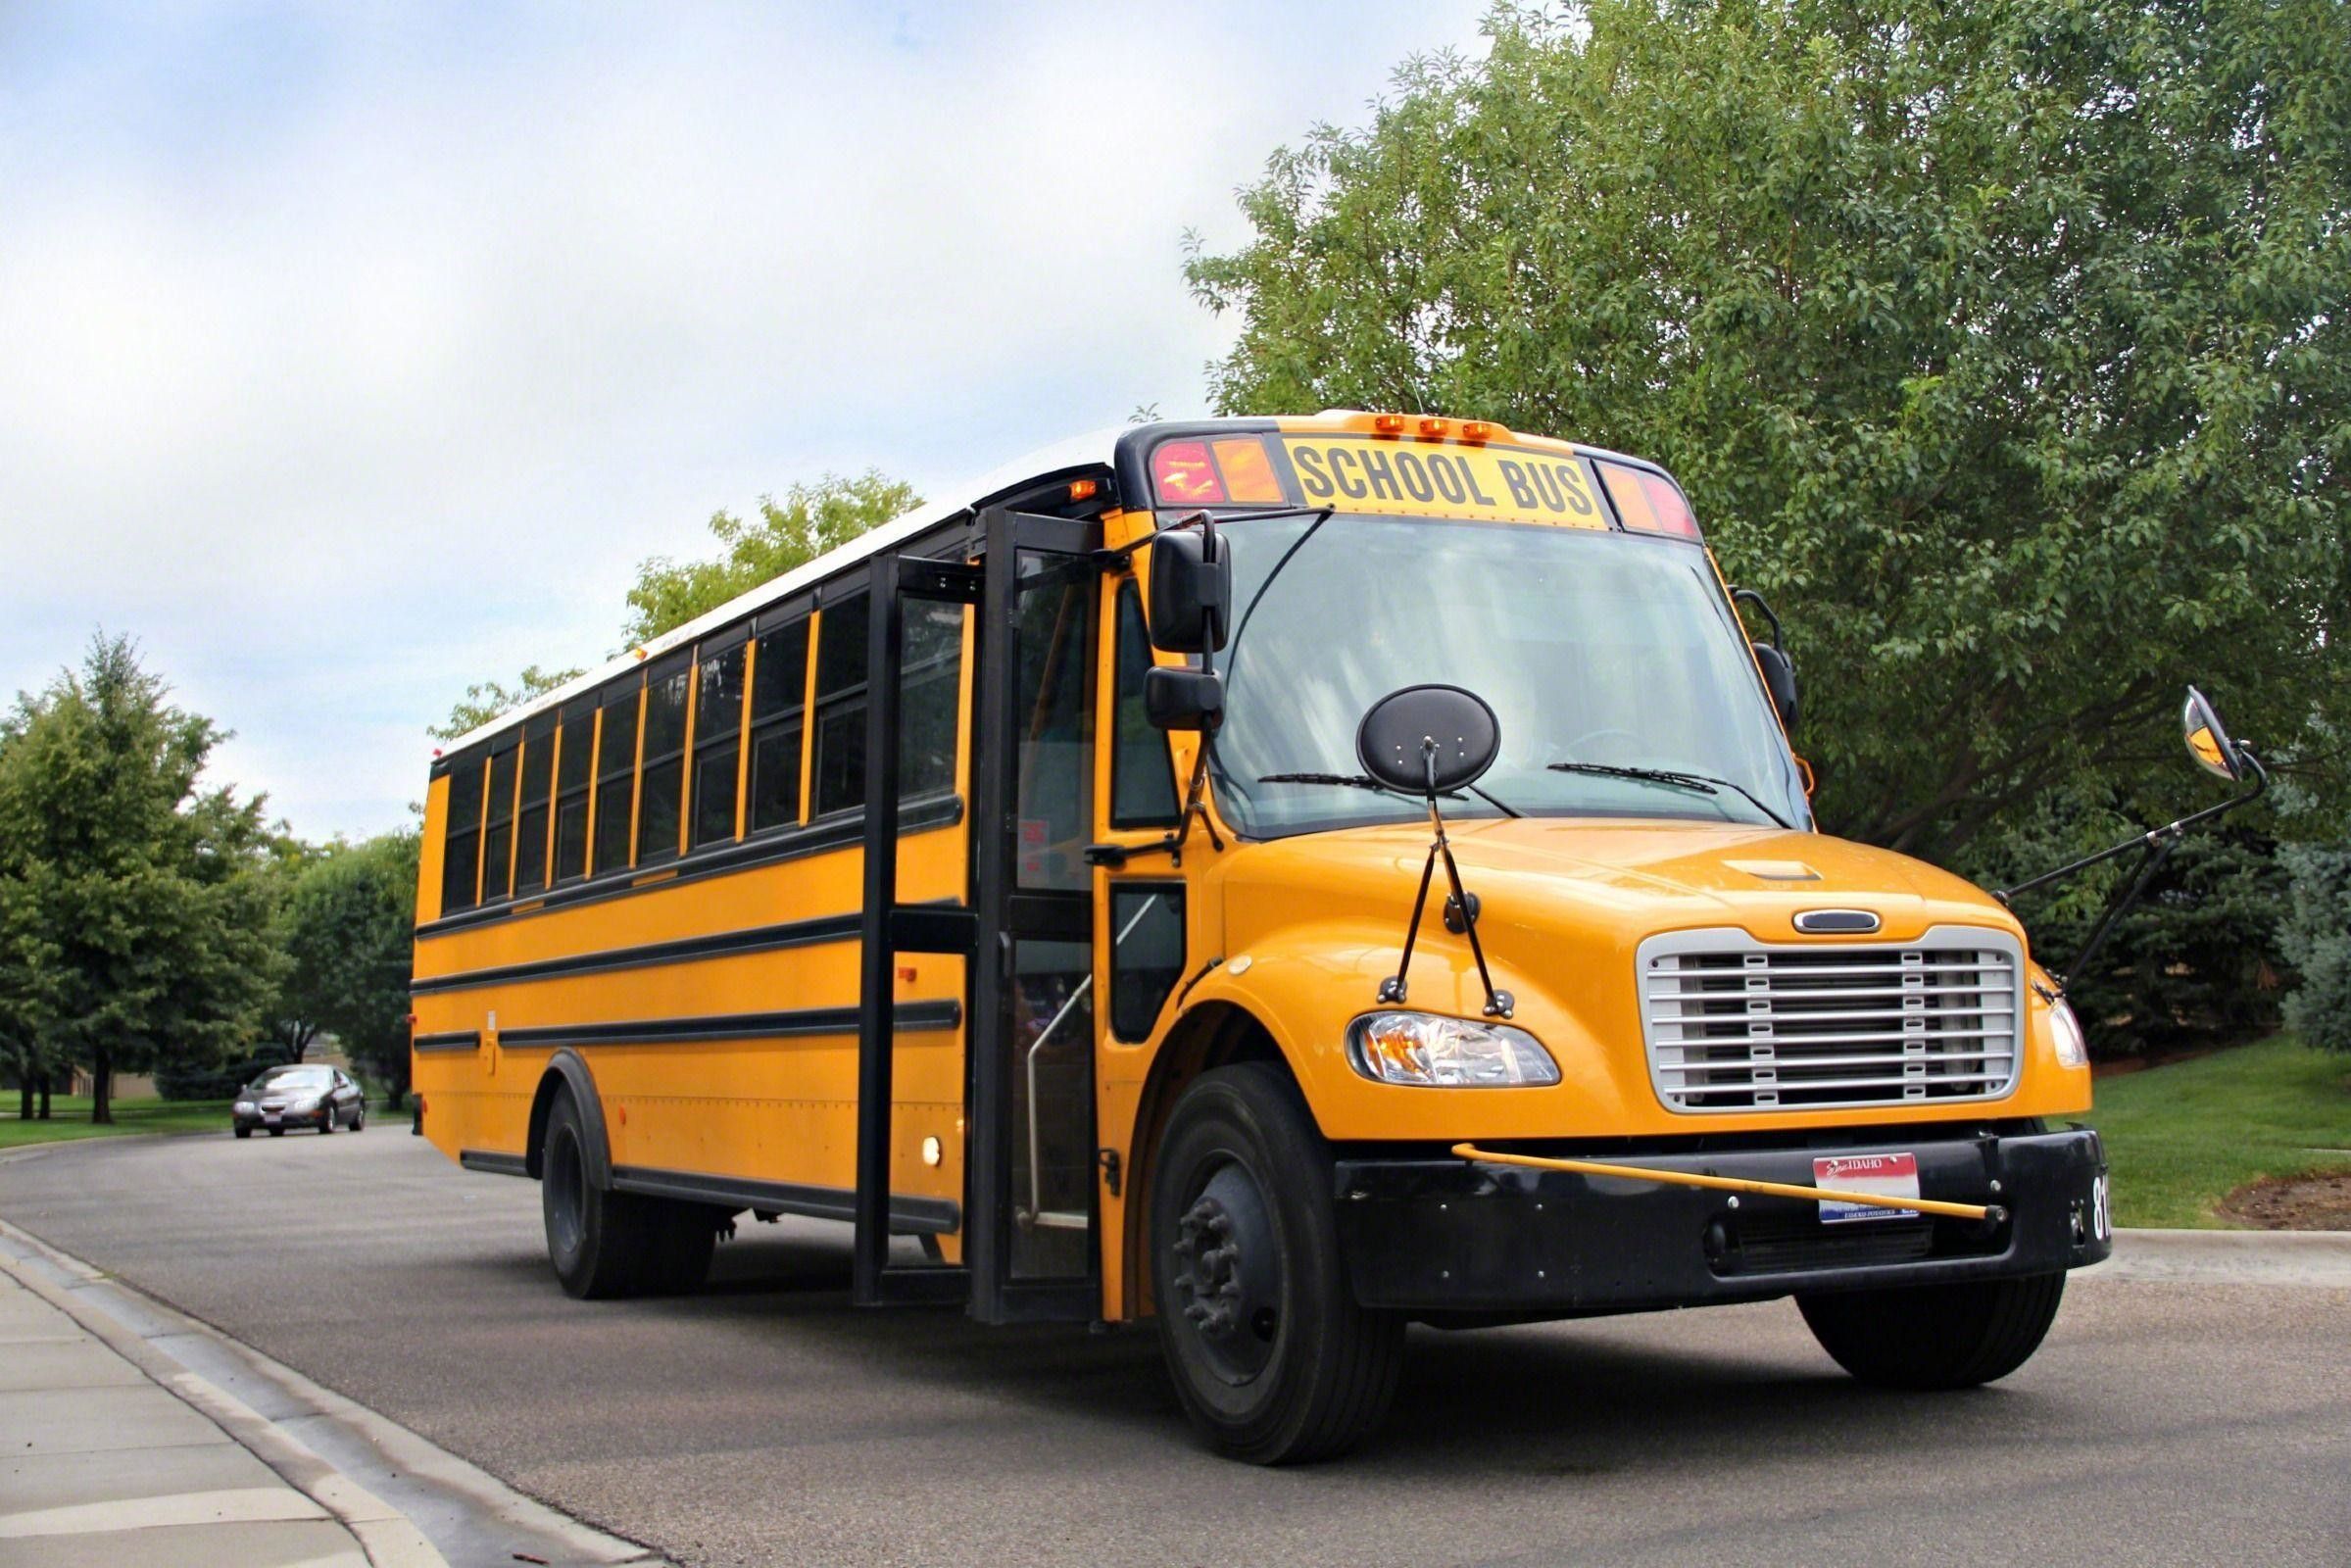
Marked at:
<point>350,352</point>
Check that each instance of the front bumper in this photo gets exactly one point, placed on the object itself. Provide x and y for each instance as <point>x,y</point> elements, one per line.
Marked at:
<point>1440,1235</point>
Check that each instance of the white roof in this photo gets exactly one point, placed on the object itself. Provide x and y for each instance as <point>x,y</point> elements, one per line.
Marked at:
<point>1085,451</point>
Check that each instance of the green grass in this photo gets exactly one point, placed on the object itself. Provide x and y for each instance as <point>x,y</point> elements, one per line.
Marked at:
<point>70,1118</point>
<point>2181,1138</point>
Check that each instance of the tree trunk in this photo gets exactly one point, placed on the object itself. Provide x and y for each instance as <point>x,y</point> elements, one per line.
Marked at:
<point>44,1094</point>
<point>102,1086</point>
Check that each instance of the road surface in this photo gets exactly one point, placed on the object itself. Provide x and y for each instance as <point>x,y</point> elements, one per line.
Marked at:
<point>765,1421</point>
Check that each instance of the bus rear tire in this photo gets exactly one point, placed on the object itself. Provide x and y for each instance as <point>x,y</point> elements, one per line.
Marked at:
<point>597,1239</point>
<point>1272,1358</point>
<point>1931,1336</point>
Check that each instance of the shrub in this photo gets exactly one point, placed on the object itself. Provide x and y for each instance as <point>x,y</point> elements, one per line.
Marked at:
<point>2316,936</point>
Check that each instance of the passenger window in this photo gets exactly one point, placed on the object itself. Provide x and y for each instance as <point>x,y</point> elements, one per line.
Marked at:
<point>616,777</point>
<point>717,744</point>
<point>779,690</point>
<point>572,792</point>
<point>1143,788</point>
<point>499,842</point>
<point>661,781</point>
<point>1146,954</point>
<point>933,684</point>
<point>530,823</point>
<point>840,762</point>
<point>460,843</point>
<point>1055,632</point>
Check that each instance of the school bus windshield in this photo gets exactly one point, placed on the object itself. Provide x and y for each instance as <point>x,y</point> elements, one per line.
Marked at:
<point>1592,646</point>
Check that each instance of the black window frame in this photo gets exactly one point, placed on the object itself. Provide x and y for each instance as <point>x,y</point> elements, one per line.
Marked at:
<point>660,849</point>
<point>466,790</point>
<point>718,734</point>
<point>627,692</point>
<point>790,621</point>
<point>498,832</point>
<point>838,706</point>
<point>577,727</point>
<point>533,849</point>
<point>1130,597</point>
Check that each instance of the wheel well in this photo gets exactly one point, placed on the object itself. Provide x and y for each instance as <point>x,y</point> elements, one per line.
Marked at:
<point>551,1084</point>
<point>1216,1034</point>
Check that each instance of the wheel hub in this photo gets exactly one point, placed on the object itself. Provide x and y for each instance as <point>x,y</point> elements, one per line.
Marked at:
<point>1228,1274</point>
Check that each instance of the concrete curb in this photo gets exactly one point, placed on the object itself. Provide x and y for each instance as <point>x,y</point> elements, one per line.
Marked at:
<point>342,1455</point>
<point>2320,1258</point>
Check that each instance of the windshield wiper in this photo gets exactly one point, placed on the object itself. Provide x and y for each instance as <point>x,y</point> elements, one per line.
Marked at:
<point>1702,783</point>
<point>1357,781</point>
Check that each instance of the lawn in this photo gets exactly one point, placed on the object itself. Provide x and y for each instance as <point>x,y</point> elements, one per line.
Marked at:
<point>2183,1137</point>
<point>69,1117</point>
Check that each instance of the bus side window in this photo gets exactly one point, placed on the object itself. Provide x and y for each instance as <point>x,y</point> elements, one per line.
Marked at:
<point>780,691</point>
<point>661,780</point>
<point>498,844</point>
<point>839,721</point>
<point>617,776</point>
<point>531,824</point>
<point>717,744</point>
<point>572,792</point>
<point>932,669</point>
<point>1143,788</point>
<point>460,843</point>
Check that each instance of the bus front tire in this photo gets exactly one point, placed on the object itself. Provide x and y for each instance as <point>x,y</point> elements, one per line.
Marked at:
<point>1272,1358</point>
<point>597,1239</point>
<point>1931,1336</point>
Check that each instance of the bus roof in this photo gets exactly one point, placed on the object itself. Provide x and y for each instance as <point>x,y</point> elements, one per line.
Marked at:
<point>1090,451</point>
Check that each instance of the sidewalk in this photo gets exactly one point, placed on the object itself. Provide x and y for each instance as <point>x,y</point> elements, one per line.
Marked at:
<point>132,1435</point>
<point>104,1465</point>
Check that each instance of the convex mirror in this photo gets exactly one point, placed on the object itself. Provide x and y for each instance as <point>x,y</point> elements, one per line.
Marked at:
<point>1177,698</point>
<point>1426,740</point>
<point>2207,741</point>
<point>1191,591</point>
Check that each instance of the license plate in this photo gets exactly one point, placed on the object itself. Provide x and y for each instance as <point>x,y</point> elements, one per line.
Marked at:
<point>1880,1175</point>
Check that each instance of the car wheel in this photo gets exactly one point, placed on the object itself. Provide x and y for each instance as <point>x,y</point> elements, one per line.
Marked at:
<point>358,1121</point>
<point>326,1123</point>
<point>277,1132</point>
<point>596,1238</point>
<point>1272,1358</point>
<point>243,1132</point>
<point>1935,1336</point>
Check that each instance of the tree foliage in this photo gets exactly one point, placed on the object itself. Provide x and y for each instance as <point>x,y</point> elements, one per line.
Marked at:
<point>349,939</point>
<point>486,699</point>
<point>2002,345</point>
<point>2317,938</point>
<point>136,889</point>
<point>809,520</point>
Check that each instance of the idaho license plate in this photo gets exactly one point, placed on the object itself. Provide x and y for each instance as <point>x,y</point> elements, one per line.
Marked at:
<point>1880,1175</point>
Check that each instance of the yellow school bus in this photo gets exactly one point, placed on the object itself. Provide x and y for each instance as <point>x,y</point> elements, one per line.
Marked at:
<point>1286,878</point>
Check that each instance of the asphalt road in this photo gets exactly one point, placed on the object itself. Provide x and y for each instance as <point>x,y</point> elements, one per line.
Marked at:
<point>766,1422</point>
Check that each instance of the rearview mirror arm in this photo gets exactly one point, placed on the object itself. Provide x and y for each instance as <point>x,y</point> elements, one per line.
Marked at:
<point>2157,845</point>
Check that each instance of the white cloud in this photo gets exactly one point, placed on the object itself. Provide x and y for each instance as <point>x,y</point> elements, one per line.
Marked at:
<point>349,355</point>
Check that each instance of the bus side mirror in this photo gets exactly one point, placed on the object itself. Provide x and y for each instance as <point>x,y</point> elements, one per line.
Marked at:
<point>1780,678</point>
<point>1176,698</point>
<point>1190,592</point>
<point>2207,742</point>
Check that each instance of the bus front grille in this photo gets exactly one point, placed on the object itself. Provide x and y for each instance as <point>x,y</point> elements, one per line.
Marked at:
<point>1734,1024</point>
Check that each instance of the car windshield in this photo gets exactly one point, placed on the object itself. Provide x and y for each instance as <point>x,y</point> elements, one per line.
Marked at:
<point>295,1078</point>
<point>1593,648</point>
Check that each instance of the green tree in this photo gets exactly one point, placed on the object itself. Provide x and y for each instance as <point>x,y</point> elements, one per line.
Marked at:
<point>810,520</point>
<point>2002,345</point>
<point>350,936</point>
<point>485,701</point>
<point>144,887</point>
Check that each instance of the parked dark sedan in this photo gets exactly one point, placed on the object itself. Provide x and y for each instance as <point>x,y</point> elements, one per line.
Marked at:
<point>323,1098</point>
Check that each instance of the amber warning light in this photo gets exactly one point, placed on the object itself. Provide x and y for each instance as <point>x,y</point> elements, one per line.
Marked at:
<point>1232,470</point>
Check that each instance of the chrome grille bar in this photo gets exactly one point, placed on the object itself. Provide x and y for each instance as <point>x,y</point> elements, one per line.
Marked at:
<point>1731,1023</point>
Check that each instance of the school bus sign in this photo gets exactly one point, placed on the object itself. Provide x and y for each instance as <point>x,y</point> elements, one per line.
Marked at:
<point>1504,484</point>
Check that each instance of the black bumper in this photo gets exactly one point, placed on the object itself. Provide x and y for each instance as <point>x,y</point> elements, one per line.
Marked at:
<point>1436,1234</point>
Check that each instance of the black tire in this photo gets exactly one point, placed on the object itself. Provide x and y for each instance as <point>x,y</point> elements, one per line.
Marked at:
<point>243,1132</point>
<point>1935,1336</point>
<point>277,1132</point>
<point>679,1240</point>
<point>358,1121</point>
<point>326,1123</point>
<point>1272,1359</point>
<point>596,1238</point>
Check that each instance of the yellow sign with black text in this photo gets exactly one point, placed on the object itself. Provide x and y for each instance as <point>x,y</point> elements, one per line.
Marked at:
<point>1504,484</point>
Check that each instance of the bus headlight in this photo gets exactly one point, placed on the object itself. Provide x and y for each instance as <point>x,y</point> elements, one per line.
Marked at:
<point>1427,1049</point>
<point>2071,1050</point>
